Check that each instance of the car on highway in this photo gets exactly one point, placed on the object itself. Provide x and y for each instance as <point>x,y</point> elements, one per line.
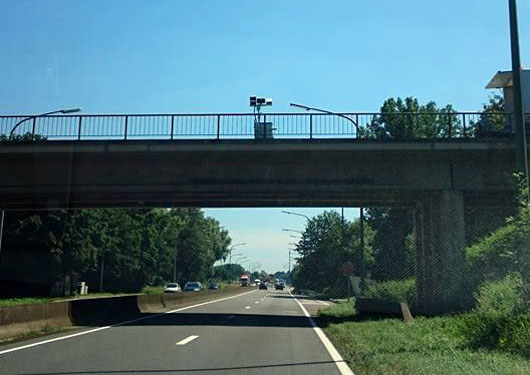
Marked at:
<point>257,282</point>
<point>214,286</point>
<point>172,288</point>
<point>262,286</point>
<point>193,286</point>
<point>279,286</point>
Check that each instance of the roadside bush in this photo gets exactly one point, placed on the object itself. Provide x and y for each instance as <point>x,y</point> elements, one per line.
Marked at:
<point>397,291</point>
<point>501,298</point>
<point>500,319</point>
<point>153,289</point>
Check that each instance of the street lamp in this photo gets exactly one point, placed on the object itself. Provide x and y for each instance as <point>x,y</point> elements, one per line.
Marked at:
<point>63,111</point>
<point>307,108</point>
<point>296,214</point>
<point>292,230</point>
<point>232,248</point>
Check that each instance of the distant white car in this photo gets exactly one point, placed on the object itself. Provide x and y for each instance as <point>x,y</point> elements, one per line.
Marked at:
<point>257,282</point>
<point>172,288</point>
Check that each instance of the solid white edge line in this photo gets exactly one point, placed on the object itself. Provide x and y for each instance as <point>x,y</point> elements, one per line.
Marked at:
<point>343,367</point>
<point>187,340</point>
<point>118,324</point>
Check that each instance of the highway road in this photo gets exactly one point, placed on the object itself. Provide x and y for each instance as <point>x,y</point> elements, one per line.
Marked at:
<point>258,332</point>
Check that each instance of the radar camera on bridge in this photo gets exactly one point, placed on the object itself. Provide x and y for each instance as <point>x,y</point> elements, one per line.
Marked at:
<point>262,129</point>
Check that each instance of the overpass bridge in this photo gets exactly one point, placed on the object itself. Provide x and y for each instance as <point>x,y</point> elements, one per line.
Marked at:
<point>438,178</point>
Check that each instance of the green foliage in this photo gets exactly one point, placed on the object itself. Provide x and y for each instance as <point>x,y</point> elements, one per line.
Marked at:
<point>228,272</point>
<point>153,289</point>
<point>397,291</point>
<point>325,245</point>
<point>134,247</point>
<point>501,298</point>
<point>406,119</point>
<point>28,137</point>
<point>429,346</point>
<point>394,247</point>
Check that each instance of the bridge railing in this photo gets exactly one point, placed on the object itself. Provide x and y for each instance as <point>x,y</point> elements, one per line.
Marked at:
<point>249,126</point>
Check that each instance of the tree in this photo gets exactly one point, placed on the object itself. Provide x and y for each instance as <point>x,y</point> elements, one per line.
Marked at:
<point>126,248</point>
<point>327,242</point>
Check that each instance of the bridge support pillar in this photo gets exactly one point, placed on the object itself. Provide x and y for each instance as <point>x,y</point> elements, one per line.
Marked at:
<point>440,258</point>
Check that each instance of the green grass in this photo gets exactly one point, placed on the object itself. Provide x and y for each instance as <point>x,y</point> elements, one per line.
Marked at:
<point>428,346</point>
<point>9,302</point>
<point>153,289</point>
<point>25,301</point>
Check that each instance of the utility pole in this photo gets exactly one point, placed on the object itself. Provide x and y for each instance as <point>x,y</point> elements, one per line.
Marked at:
<point>101,270</point>
<point>361,234</point>
<point>175,260</point>
<point>520,133</point>
<point>1,229</point>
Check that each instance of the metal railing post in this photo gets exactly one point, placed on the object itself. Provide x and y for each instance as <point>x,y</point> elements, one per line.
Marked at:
<point>264,126</point>
<point>357,128</point>
<point>172,126</point>
<point>79,128</point>
<point>126,127</point>
<point>218,127</point>
<point>33,127</point>
<point>450,126</point>
<point>464,124</point>
<point>310,126</point>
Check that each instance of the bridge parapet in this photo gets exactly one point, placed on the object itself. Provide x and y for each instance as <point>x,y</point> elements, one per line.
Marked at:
<point>229,126</point>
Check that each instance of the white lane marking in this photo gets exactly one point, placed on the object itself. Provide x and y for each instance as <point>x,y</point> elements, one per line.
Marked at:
<point>324,303</point>
<point>247,307</point>
<point>119,324</point>
<point>256,302</point>
<point>187,340</point>
<point>343,367</point>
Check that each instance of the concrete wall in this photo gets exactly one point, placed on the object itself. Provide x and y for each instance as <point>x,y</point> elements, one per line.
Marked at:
<point>21,319</point>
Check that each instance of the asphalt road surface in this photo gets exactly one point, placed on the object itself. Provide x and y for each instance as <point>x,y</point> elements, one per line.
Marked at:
<point>259,332</point>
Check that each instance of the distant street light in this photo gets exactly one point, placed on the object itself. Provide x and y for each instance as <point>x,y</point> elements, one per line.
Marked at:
<point>233,247</point>
<point>63,111</point>
<point>292,230</point>
<point>296,214</point>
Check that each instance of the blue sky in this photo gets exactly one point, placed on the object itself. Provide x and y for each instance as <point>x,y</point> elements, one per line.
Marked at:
<point>208,56</point>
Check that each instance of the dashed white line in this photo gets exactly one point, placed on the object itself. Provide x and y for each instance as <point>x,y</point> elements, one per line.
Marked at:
<point>247,307</point>
<point>118,324</point>
<point>187,340</point>
<point>256,302</point>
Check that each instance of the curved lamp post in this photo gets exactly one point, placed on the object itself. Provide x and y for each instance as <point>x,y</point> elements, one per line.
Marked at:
<point>63,111</point>
<point>307,108</point>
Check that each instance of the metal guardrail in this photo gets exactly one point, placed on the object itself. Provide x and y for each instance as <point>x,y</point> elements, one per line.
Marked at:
<point>247,126</point>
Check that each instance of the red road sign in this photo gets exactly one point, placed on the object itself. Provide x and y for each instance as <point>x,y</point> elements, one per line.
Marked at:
<point>347,268</point>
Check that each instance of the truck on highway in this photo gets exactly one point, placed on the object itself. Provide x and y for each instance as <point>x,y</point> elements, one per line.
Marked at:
<point>245,280</point>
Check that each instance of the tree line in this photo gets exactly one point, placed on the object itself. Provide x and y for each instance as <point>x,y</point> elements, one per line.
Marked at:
<point>117,249</point>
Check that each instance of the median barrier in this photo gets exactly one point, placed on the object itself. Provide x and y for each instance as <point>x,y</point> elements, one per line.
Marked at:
<point>150,302</point>
<point>23,319</point>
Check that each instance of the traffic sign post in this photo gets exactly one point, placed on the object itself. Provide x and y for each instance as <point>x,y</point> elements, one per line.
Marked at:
<point>347,269</point>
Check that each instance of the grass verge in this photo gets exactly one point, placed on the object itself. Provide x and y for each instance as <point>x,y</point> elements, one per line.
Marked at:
<point>428,346</point>
<point>9,302</point>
